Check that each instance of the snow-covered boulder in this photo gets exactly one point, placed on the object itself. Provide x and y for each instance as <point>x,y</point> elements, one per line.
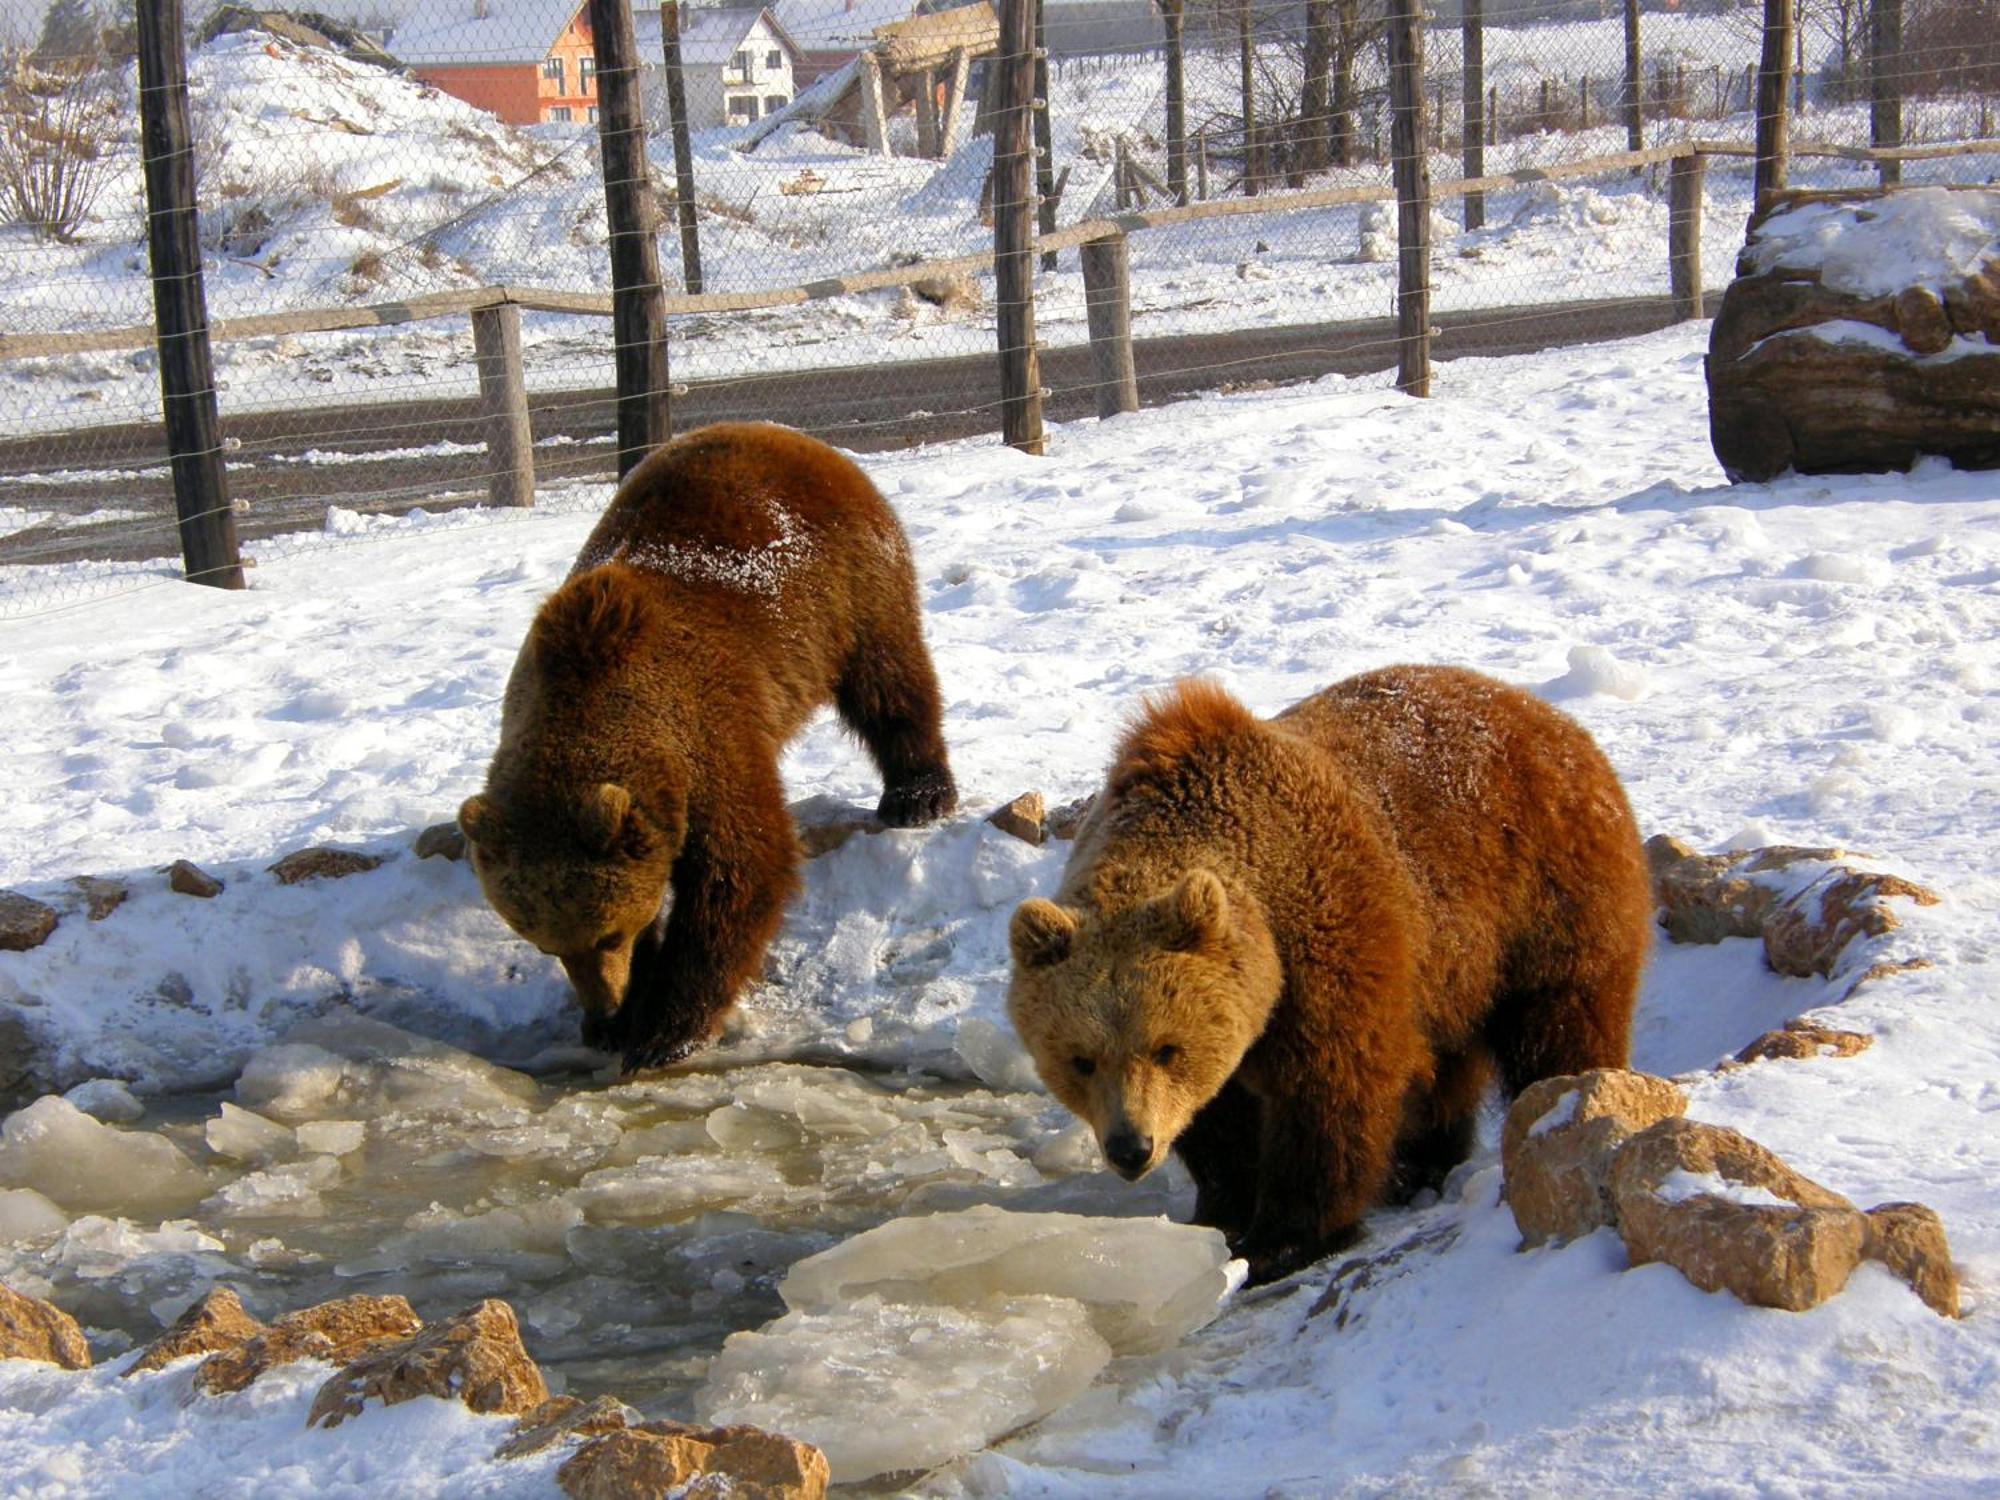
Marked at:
<point>1862,331</point>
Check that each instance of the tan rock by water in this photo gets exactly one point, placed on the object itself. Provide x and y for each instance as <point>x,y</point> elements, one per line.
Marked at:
<point>1064,822</point>
<point>33,1329</point>
<point>1802,1039</point>
<point>718,1463</point>
<point>440,841</point>
<point>1025,818</point>
<point>1730,1216</point>
<point>476,1358</point>
<point>322,862</point>
<point>333,1331</point>
<point>189,879</point>
<point>632,1465</point>
<point>1560,1137</point>
<point>562,1417</point>
<point>101,897</point>
<point>1809,933</point>
<point>215,1323</point>
<point>25,923</point>
<point>1909,1239</point>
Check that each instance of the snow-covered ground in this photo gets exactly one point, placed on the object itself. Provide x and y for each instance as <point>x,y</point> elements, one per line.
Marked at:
<point>1809,661</point>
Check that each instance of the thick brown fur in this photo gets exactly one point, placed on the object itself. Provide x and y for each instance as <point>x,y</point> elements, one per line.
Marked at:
<point>743,576</point>
<point>1297,950</point>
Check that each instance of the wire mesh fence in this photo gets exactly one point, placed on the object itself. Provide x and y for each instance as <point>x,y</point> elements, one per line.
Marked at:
<point>820,175</point>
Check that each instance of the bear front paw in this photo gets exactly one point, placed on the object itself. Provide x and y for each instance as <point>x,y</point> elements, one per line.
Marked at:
<point>1273,1259</point>
<point>923,798</point>
<point>602,1031</point>
<point>659,1051</point>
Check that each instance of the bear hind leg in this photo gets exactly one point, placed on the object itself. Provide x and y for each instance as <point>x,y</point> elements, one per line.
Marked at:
<point>1439,1124</point>
<point>1219,1148</point>
<point>1566,1024</point>
<point>889,697</point>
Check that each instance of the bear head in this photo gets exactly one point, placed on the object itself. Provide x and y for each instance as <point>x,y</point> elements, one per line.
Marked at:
<point>1136,1018</point>
<point>581,876</point>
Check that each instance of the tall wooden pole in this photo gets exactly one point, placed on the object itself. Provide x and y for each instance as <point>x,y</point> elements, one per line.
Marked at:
<point>1172,14</point>
<point>1472,97</point>
<point>1012,82</point>
<point>677,123</point>
<point>1246,58</point>
<point>638,315</point>
<point>1773,126</point>
<point>1413,196</point>
<point>1635,84</point>
<point>180,304</point>
<point>1885,83</point>
<point>1045,146</point>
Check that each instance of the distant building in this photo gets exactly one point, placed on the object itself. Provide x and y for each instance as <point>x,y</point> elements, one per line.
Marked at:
<point>527,61</point>
<point>1105,28</point>
<point>738,63</point>
<point>832,33</point>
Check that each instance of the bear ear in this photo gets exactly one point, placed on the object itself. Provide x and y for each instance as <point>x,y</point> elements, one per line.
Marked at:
<point>1197,911</point>
<point>479,821</point>
<point>1040,934</point>
<point>610,824</point>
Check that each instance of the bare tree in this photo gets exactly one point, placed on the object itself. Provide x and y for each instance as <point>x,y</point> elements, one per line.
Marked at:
<point>54,125</point>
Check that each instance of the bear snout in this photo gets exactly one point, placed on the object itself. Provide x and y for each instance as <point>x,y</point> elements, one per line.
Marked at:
<point>1129,1152</point>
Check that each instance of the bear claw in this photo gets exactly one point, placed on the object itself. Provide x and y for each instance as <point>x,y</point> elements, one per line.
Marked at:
<point>922,799</point>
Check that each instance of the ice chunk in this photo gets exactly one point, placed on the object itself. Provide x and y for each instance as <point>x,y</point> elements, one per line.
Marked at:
<point>332,1137</point>
<point>86,1166</point>
<point>996,1057</point>
<point>673,1187</point>
<point>108,1100</point>
<point>881,1386</point>
<point>244,1136</point>
<point>95,1248</point>
<point>349,1065</point>
<point>741,1127</point>
<point>26,1215</point>
<point>824,1101</point>
<point>529,1240</point>
<point>288,1192</point>
<point>1147,1283</point>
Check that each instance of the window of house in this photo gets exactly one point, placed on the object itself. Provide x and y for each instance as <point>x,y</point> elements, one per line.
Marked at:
<point>552,69</point>
<point>592,114</point>
<point>774,102</point>
<point>774,59</point>
<point>743,106</point>
<point>740,64</point>
<point>586,75</point>
<point>559,113</point>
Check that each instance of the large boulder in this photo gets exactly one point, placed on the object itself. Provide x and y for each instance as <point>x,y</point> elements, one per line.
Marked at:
<point>33,1329</point>
<point>215,1323</point>
<point>332,1331</point>
<point>1560,1137</point>
<point>476,1358</point>
<point>1862,331</point>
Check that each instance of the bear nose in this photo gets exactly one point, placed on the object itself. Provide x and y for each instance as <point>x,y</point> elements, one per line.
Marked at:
<point>1128,1151</point>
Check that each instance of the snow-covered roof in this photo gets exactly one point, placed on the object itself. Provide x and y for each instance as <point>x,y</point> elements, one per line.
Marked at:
<point>710,35</point>
<point>443,32</point>
<point>840,25</point>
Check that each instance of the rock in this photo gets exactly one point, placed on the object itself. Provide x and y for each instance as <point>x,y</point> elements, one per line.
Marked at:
<point>25,923</point>
<point>1810,932</point>
<point>333,1331</point>
<point>17,1053</point>
<point>1702,901</point>
<point>1909,1239</point>
<point>33,1329</point>
<point>1818,364</point>
<point>191,880</point>
<point>323,862</point>
<point>1664,851</point>
<point>950,292</point>
<point>90,1167</point>
<point>440,841</point>
<point>1730,1216</point>
<point>1802,1038</point>
<point>215,1323</point>
<point>825,823</point>
<point>476,1358</point>
<point>1023,818</point>
<point>726,1463</point>
<point>1145,1283</point>
<point>101,897</point>
<point>1064,822</point>
<point>562,1417</point>
<point>1559,1141</point>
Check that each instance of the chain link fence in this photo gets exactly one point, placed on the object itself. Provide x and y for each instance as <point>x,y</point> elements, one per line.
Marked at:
<point>372,185</point>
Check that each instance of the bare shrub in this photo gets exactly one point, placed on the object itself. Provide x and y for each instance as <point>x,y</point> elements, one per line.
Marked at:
<point>55,127</point>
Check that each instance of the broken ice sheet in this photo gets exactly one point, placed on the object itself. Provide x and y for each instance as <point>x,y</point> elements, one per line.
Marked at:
<point>881,1386</point>
<point>89,1167</point>
<point>343,1066</point>
<point>1147,1283</point>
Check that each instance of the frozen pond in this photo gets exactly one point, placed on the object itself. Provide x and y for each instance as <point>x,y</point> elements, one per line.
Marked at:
<point>632,1225</point>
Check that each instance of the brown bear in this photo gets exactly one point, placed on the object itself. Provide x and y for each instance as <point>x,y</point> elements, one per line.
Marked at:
<point>743,575</point>
<point>1294,950</point>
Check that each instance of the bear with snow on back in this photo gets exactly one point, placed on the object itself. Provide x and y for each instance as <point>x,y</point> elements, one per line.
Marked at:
<point>633,822</point>
<point>1296,950</point>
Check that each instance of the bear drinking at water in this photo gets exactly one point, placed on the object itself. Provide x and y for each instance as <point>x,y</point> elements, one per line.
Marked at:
<point>1294,950</point>
<point>633,822</point>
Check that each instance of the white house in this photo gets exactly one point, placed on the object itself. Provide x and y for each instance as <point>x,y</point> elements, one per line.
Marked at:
<point>737,63</point>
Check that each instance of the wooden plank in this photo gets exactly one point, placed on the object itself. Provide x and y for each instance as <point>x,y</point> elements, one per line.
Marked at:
<point>954,101</point>
<point>638,317</point>
<point>1411,169</point>
<point>1773,124</point>
<point>874,111</point>
<point>503,401</point>
<point>1012,80</point>
<point>180,306</point>
<point>1684,194</point>
<point>1107,301</point>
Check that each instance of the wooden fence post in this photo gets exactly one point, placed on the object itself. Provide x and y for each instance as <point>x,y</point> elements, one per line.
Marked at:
<point>1885,83</point>
<point>1045,146</point>
<point>1107,301</point>
<point>1684,194</point>
<point>1472,94</point>
<point>1171,15</point>
<point>677,123</point>
<point>1773,127</point>
<point>927,115</point>
<point>638,319</point>
<point>503,402</point>
<point>1413,196</point>
<point>1635,98</point>
<point>874,109</point>
<point>180,303</point>
<point>1201,164</point>
<point>1012,80</point>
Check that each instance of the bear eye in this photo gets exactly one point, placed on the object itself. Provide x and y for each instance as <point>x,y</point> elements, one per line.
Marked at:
<point>1164,1055</point>
<point>607,943</point>
<point>1084,1066</point>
